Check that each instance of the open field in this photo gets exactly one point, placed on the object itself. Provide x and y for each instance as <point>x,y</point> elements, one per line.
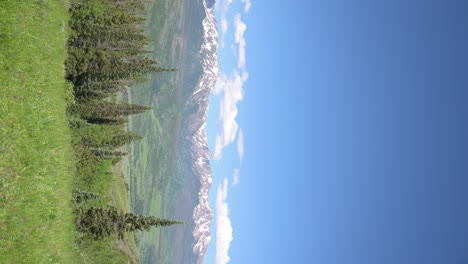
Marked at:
<point>36,159</point>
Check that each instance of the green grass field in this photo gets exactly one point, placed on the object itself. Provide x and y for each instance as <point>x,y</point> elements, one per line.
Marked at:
<point>36,158</point>
<point>37,165</point>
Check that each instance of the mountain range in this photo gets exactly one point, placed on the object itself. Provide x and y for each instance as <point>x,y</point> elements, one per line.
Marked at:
<point>170,168</point>
<point>194,134</point>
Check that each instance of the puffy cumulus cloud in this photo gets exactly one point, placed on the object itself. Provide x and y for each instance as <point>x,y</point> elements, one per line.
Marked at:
<point>223,225</point>
<point>235,177</point>
<point>240,145</point>
<point>247,5</point>
<point>223,7</point>
<point>224,25</point>
<point>218,148</point>
<point>239,39</point>
<point>245,76</point>
<point>232,88</point>
<point>228,112</point>
<point>220,83</point>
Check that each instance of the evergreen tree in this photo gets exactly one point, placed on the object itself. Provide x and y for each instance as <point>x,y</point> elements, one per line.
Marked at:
<point>104,109</point>
<point>107,120</point>
<point>122,139</point>
<point>80,196</point>
<point>102,222</point>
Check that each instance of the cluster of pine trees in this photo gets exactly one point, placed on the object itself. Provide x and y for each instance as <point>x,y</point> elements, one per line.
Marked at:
<point>107,51</point>
<point>106,54</point>
<point>100,222</point>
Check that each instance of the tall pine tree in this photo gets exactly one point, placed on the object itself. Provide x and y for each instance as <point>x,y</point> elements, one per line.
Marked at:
<point>102,222</point>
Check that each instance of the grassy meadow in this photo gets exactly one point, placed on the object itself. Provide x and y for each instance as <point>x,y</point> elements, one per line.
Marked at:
<point>36,158</point>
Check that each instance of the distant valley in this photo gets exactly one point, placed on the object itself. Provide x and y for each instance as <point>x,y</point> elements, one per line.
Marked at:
<point>169,169</point>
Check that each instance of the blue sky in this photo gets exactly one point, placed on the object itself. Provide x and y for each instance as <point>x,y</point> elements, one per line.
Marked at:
<point>339,132</point>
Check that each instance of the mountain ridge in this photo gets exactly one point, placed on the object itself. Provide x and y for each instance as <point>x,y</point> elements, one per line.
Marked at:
<point>194,135</point>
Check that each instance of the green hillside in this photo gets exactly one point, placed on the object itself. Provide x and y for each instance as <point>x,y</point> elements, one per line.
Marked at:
<point>36,159</point>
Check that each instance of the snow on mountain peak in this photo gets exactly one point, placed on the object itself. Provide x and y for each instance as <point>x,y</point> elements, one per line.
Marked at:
<point>202,213</point>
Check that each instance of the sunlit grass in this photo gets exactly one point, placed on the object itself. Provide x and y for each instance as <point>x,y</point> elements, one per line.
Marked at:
<point>36,160</point>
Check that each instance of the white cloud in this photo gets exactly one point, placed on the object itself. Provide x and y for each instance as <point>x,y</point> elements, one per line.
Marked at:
<point>247,5</point>
<point>232,88</point>
<point>223,225</point>
<point>224,28</point>
<point>218,148</point>
<point>226,4</point>
<point>224,8</point>
<point>235,177</point>
<point>223,5</point>
<point>240,145</point>
<point>245,76</point>
<point>220,83</point>
<point>239,39</point>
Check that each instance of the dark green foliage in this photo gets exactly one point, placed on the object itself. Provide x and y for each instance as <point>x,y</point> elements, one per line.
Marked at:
<point>107,54</point>
<point>102,89</point>
<point>93,172</point>
<point>104,136</point>
<point>107,50</point>
<point>107,121</point>
<point>80,196</point>
<point>108,154</point>
<point>101,222</point>
<point>93,110</point>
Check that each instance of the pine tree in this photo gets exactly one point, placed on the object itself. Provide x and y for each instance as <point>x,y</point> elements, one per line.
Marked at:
<point>102,222</point>
<point>80,196</point>
<point>104,109</point>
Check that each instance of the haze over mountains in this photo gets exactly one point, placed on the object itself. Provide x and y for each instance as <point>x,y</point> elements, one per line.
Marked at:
<point>195,135</point>
<point>194,146</point>
<point>170,168</point>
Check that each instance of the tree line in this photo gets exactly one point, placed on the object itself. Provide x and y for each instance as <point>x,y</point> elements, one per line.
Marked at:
<point>107,53</point>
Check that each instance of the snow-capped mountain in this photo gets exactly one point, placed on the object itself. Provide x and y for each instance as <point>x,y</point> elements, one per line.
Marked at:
<point>194,135</point>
